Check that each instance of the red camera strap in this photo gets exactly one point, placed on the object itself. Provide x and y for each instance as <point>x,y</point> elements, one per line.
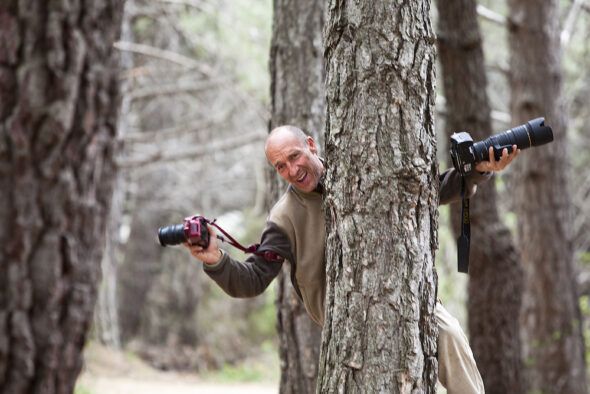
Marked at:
<point>252,249</point>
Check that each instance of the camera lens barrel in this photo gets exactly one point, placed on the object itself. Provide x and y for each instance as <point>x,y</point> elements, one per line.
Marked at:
<point>532,133</point>
<point>171,235</point>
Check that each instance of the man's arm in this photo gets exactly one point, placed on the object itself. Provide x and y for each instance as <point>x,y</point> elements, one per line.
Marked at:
<point>251,277</point>
<point>450,180</point>
<point>450,185</point>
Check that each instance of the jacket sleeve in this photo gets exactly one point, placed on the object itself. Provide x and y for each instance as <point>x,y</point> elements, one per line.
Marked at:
<point>450,185</point>
<point>251,277</point>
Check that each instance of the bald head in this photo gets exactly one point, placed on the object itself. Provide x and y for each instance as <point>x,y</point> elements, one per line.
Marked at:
<point>285,132</point>
<point>294,156</point>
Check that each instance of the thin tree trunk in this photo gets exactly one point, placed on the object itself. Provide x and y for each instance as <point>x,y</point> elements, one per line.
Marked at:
<point>58,117</point>
<point>495,275</point>
<point>297,93</point>
<point>552,338</point>
<point>106,317</point>
<point>381,213</point>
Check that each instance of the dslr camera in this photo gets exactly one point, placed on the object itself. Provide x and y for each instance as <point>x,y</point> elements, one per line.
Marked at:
<point>193,230</point>
<point>466,153</point>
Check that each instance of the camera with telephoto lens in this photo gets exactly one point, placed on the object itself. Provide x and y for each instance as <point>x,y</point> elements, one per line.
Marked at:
<point>194,231</point>
<point>466,153</point>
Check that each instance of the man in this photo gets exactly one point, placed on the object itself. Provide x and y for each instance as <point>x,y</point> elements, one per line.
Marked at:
<point>295,230</point>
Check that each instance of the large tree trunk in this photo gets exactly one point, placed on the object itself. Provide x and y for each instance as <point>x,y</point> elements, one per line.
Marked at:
<point>552,340</point>
<point>58,117</point>
<point>495,276</point>
<point>297,93</point>
<point>381,212</point>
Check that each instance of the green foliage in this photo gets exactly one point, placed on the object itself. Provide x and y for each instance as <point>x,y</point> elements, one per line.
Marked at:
<point>584,259</point>
<point>80,389</point>
<point>241,373</point>
<point>250,370</point>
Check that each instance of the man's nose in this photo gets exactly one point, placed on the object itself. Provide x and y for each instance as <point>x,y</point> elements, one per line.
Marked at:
<point>292,169</point>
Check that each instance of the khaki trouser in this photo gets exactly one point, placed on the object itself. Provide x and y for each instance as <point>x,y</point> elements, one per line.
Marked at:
<point>456,366</point>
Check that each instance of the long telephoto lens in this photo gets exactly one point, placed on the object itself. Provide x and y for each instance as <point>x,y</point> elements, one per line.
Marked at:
<point>171,235</point>
<point>532,133</point>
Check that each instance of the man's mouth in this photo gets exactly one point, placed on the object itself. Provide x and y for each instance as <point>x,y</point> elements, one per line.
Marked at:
<point>302,177</point>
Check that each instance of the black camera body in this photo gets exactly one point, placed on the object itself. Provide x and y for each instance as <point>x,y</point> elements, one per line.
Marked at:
<point>193,230</point>
<point>466,154</point>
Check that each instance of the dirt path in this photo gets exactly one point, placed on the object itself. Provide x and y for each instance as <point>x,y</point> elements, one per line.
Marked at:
<point>167,385</point>
<point>109,372</point>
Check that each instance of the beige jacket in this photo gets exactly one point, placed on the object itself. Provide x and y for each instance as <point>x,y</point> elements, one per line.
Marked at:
<point>295,230</point>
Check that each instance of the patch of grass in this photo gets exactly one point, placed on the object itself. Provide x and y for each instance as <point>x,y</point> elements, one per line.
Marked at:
<point>237,373</point>
<point>80,389</point>
<point>263,368</point>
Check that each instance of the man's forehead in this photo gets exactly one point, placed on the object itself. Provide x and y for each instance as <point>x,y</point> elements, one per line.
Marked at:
<point>283,152</point>
<point>283,143</point>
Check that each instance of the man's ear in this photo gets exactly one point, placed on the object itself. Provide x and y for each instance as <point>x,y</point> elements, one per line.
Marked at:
<point>311,144</point>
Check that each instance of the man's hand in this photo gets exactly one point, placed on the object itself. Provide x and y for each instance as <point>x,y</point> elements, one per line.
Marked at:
<point>497,165</point>
<point>212,254</point>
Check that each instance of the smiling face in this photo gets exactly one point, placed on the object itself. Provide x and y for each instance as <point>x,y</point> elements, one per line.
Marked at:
<point>294,156</point>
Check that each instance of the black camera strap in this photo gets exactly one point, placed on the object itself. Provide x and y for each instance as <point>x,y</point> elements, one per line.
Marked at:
<point>465,237</point>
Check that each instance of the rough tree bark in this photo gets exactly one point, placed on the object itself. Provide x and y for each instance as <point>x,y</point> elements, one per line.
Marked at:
<point>297,94</point>
<point>495,274</point>
<point>552,342</point>
<point>381,204</point>
<point>58,117</point>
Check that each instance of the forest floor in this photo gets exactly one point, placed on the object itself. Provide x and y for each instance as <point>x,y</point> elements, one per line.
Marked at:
<point>110,372</point>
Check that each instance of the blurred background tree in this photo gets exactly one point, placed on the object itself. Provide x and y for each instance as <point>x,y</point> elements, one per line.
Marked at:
<point>553,348</point>
<point>495,274</point>
<point>297,98</point>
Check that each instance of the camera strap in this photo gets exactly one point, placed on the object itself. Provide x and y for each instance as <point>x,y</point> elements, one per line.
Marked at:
<point>465,237</point>
<point>252,249</point>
